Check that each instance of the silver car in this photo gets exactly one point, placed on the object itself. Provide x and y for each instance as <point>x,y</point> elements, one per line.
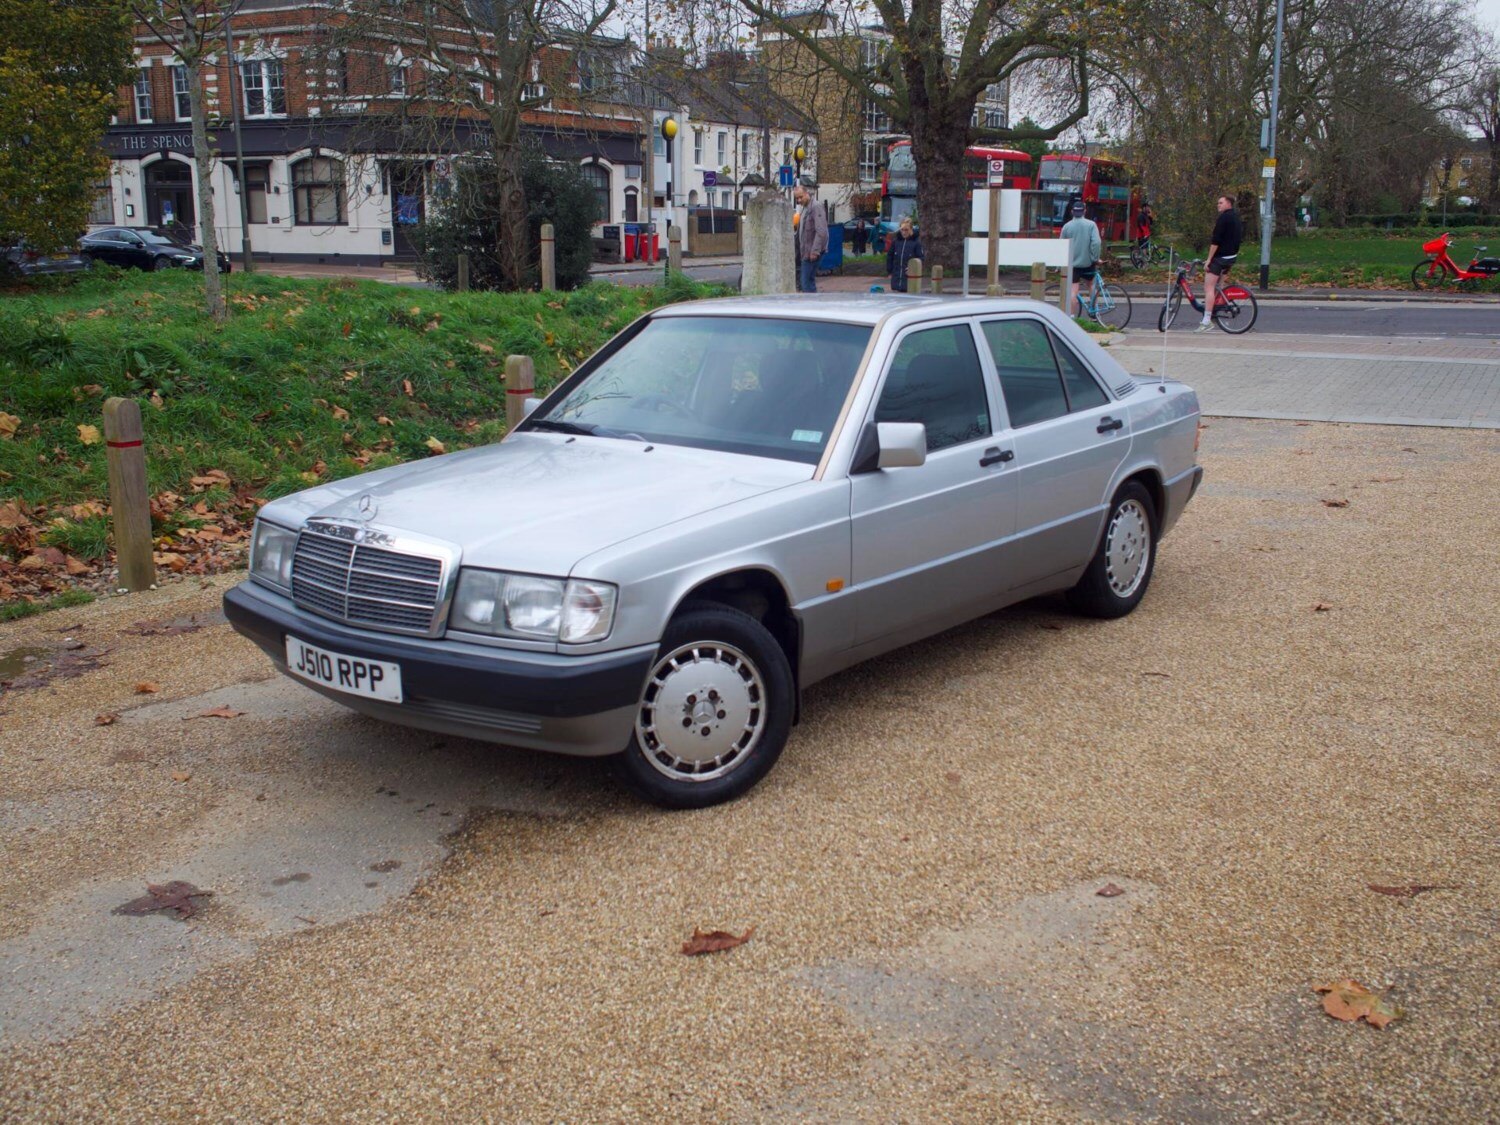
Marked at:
<point>730,501</point>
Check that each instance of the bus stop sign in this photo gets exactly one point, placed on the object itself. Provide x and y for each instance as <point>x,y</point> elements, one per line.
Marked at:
<point>997,173</point>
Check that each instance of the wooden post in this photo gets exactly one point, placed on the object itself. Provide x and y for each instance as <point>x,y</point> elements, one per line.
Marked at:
<point>520,384</point>
<point>129,498</point>
<point>914,276</point>
<point>674,249</point>
<point>549,259</point>
<point>1038,281</point>
<point>992,278</point>
<point>1062,296</point>
<point>462,284</point>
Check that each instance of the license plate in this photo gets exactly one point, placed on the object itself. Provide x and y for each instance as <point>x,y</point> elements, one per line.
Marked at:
<point>60,257</point>
<point>373,679</point>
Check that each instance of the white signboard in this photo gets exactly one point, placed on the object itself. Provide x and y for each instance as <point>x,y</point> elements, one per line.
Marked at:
<point>1010,211</point>
<point>1052,252</point>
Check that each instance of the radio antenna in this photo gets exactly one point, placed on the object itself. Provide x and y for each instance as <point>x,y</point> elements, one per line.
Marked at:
<point>1166,304</point>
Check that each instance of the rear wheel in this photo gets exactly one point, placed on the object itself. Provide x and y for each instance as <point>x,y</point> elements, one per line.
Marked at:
<point>1169,311</point>
<point>1053,294</point>
<point>1237,315</point>
<point>1139,257</point>
<point>1113,308</point>
<point>715,713</point>
<point>1429,275</point>
<point>1116,579</point>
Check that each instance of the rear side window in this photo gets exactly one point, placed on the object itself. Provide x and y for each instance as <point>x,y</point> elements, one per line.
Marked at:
<point>935,379</point>
<point>1028,370</point>
<point>1083,392</point>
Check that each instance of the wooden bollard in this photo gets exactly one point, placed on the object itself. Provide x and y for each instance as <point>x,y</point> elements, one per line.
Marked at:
<point>462,283</point>
<point>674,249</point>
<point>937,278</point>
<point>520,384</point>
<point>914,276</point>
<point>1038,281</point>
<point>1063,297</point>
<point>549,258</point>
<point>129,498</point>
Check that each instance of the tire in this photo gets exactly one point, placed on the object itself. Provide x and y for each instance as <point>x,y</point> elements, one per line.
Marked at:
<point>709,647</point>
<point>1139,258</point>
<point>1169,311</point>
<point>1429,275</point>
<point>152,265</point>
<point>1116,579</point>
<point>1239,316</point>
<point>1118,317</point>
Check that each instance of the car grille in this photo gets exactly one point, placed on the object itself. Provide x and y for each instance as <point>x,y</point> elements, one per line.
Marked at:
<point>366,585</point>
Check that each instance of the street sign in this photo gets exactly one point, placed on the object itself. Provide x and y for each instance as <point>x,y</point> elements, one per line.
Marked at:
<point>784,175</point>
<point>1268,169</point>
<point>997,173</point>
<point>710,179</point>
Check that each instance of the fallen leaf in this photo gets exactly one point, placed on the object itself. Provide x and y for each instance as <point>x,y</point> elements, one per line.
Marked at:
<point>1411,890</point>
<point>406,386</point>
<point>156,400</point>
<point>350,376</point>
<point>1407,449</point>
<point>1335,503</point>
<point>436,446</point>
<point>713,941</point>
<point>487,349</point>
<point>1263,548</point>
<point>340,413</point>
<point>146,687</point>
<point>74,566</point>
<point>348,328</point>
<point>1383,480</point>
<point>1109,890</point>
<point>216,713</point>
<point>1348,1000</point>
<point>1322,607</point>
<point>109,718</point>
<point>175,895</point>
<point>8,424</point>
<point>1163,675</point>
<point>383,421</point>
<point>181,775</point>
<point>88,435</point>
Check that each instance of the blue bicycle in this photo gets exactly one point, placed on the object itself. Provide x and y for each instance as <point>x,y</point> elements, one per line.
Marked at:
<point>1107,304</point>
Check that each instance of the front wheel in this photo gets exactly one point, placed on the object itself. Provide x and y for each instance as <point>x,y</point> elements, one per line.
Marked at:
<point>715,712</point>
<point>1139,257</point>
<point>1112,308</point>
<point>1116,579</point>
<point>1429,275</point>
<point>1238,312</point>
<point>1169,311</point>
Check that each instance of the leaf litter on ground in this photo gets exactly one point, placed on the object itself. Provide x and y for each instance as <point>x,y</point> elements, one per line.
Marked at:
<point>713,941</point>
<point>175,895</point>
<point>1348,1000</point>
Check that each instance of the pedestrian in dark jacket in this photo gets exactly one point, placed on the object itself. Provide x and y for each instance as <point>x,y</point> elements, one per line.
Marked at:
<point>904,246</point>
<point>861,236</point>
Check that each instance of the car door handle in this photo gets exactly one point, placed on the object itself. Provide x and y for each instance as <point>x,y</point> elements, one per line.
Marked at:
<point>994,455</point>
<point>1107,423</point>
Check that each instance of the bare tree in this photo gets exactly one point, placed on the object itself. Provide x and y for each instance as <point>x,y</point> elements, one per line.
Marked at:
<point>472,66</point>
<point>1479,109</point>
<point>194,30</point>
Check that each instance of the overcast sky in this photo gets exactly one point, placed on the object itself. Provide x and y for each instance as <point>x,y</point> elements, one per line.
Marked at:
<point>1489,10</point>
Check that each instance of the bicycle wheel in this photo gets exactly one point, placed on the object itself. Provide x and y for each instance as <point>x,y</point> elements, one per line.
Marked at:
<point>1139,257</point>
<point>1237,314</point>
<point>1429,275</point>
<point>1169,311</point>
<point>1053,293</point>
<point>1112,307</point>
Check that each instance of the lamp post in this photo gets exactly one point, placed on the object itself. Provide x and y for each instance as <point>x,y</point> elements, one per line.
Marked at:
<point>668,133</point>
<point>1268,208</point>
<point>239,147</point>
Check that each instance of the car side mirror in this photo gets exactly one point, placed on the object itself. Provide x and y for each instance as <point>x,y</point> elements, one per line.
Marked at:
<point>529,405</point>
<point>890,445</point>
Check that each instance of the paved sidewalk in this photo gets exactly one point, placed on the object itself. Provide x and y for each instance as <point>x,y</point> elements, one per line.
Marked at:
<point>1376,380</point>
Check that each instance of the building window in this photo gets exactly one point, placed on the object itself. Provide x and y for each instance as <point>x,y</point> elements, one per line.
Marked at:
<point>598,178</point>
<point>182,97</point>
<point>871,51</point>
<point>593,74</point>
<point>786,150</point>
<point>398,78</point>
<point>871,159</point>
<point>1466,163</point>
<point>264,84</point>
<point>658,142</point>
<point>988,117</point>
<point>257,188</point>
<point>318,191</point>
<point>143,95</point>
<point>338,73</point>
<point>534,92</point>
<point>724,200</point>
<point>723,148</point>
<point>102,210</point>
<point>745,141</point>
<point>876,119</point>
<point>698,146</point>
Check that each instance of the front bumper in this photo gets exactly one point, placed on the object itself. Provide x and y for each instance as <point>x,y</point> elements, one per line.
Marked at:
<point>582,705</point>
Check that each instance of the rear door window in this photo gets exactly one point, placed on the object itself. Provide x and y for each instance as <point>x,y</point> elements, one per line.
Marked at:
<point>1027,368</point>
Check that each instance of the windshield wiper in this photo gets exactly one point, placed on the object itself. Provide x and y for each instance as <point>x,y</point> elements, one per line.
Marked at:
<point>586,428</point>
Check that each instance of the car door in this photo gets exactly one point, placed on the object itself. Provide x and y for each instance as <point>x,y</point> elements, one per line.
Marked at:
<point>130,249</point>
<point>105,246</point>
<point>1069,439</point>
<point>924,537</point>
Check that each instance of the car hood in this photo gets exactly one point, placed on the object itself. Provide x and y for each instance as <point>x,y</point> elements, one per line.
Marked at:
<point>538,503</point>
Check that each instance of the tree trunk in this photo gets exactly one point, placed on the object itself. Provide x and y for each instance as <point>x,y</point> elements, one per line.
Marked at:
<point>942,191</point>
<point>203,159</point>
<point>513,248</point>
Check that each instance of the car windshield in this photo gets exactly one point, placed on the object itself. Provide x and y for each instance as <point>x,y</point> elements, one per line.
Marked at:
<point>156,238</point>
<point>762,386</point>
<point>1055,168</point>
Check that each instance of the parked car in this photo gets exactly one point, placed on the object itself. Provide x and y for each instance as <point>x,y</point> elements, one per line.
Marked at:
<point>145,248</point>
<point>20,260</point>
<point>730,501</point>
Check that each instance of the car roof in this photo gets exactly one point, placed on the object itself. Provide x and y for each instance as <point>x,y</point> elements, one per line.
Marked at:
<point>848,308</point>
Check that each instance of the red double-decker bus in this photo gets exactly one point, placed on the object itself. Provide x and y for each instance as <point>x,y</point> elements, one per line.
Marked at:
<point>1102,183</point>
<point>898,184</point>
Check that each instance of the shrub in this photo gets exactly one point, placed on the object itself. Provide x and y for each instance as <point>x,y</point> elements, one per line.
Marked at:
<point>469,222</point>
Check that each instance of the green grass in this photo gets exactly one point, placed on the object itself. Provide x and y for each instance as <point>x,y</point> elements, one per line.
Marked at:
<point>14,611</point>
<point>307,381</point>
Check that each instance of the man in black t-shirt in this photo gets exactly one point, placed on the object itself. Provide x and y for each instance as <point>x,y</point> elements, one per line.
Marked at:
<point>1224,248</point>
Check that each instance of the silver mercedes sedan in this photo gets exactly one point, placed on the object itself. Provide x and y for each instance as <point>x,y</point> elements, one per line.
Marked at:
<point>730,501</point>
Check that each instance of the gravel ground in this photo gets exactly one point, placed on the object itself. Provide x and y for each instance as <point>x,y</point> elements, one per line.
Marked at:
<point>920,868</point>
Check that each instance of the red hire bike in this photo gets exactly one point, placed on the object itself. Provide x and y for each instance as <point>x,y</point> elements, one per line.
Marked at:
<point>1440,270</point>
<point>1234,309</point>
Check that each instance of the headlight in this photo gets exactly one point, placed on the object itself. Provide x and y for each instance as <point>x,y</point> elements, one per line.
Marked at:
<point>271,554</point>
<point>523,605</point>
